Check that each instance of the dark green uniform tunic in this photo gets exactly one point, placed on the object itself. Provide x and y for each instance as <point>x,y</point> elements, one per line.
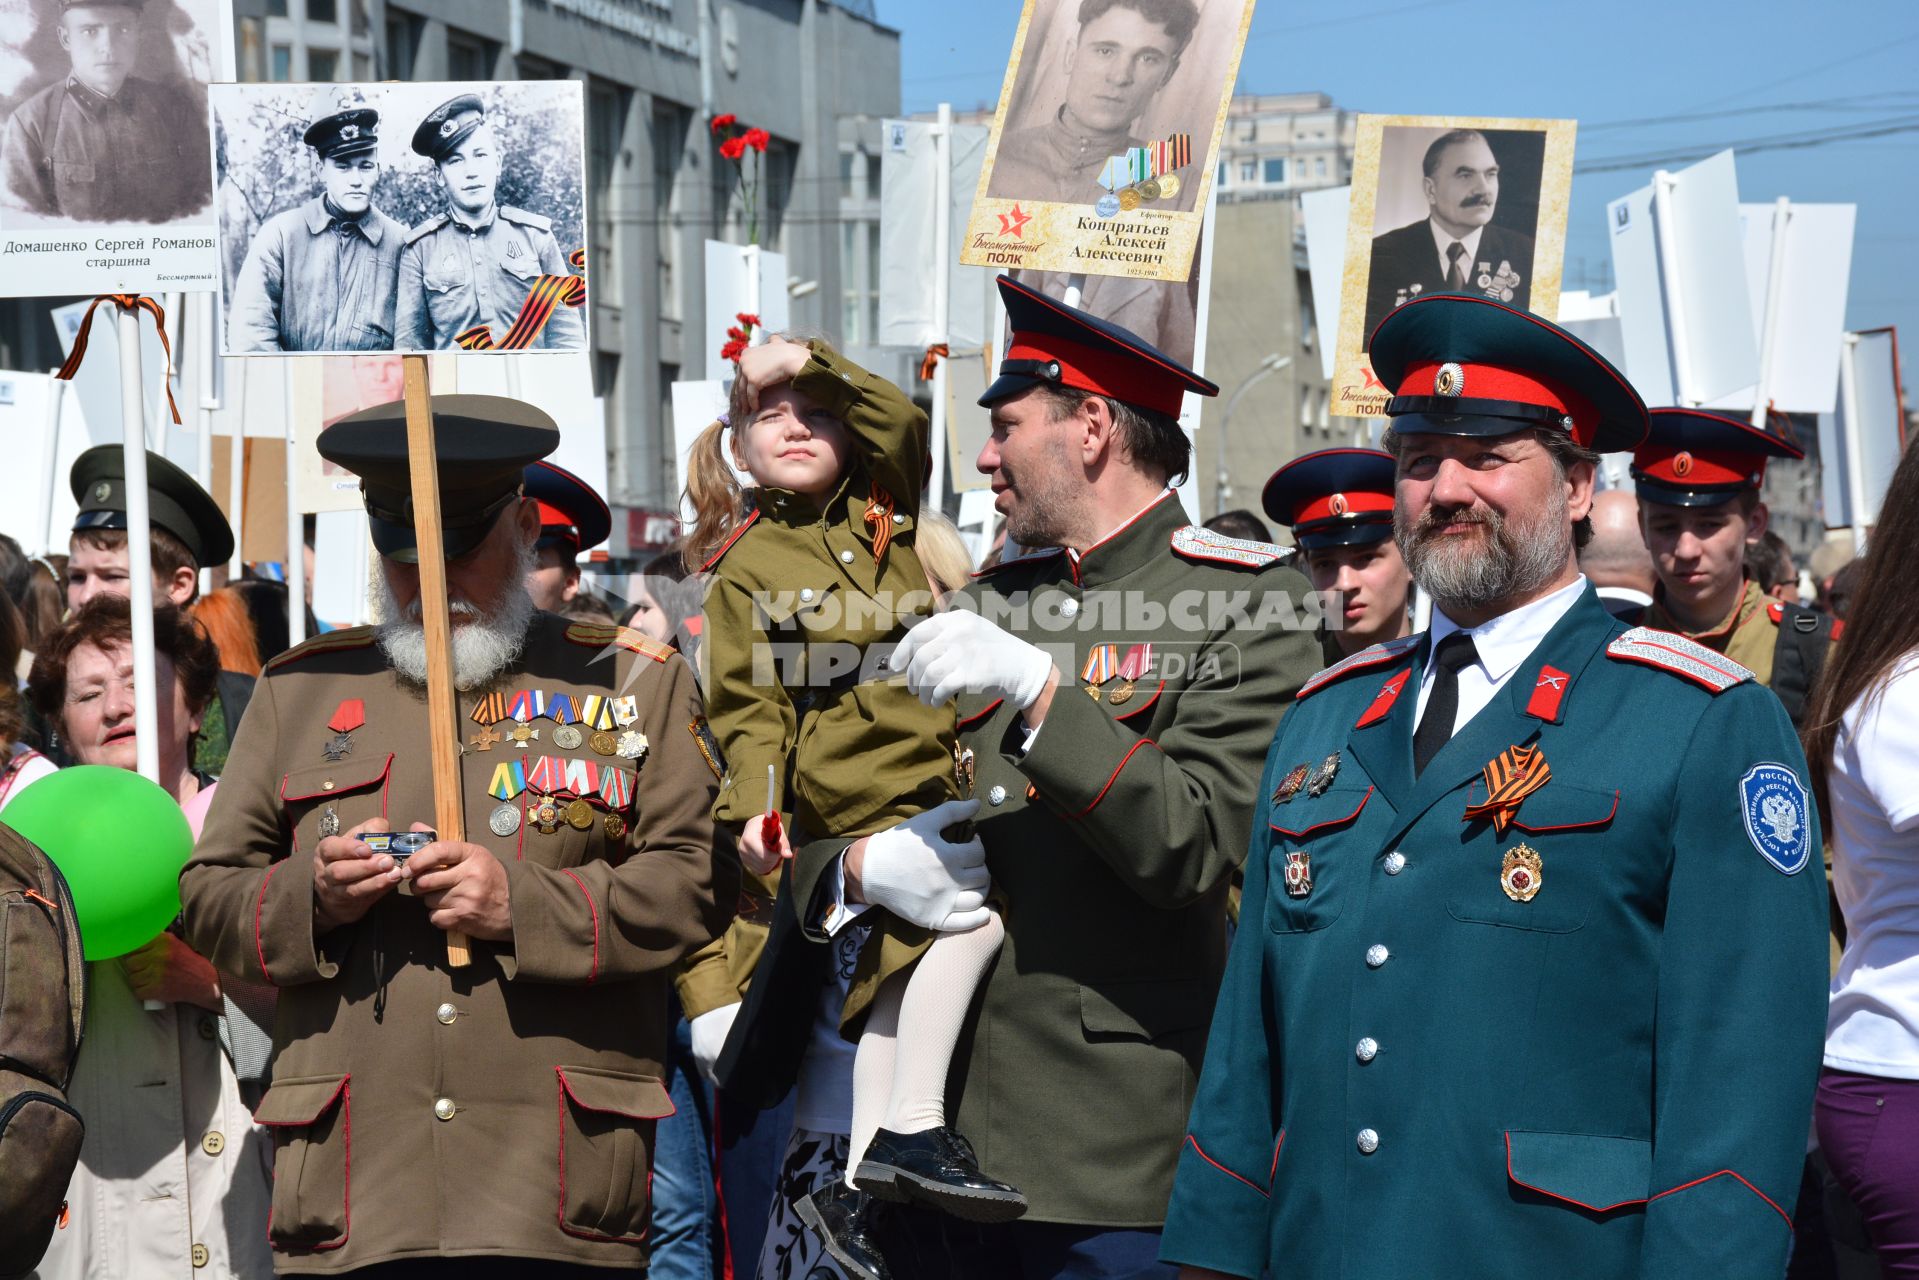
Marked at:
<point>1074,1076</point>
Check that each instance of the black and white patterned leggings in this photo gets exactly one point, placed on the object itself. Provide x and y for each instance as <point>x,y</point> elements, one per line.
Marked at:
<point>793,1250</point>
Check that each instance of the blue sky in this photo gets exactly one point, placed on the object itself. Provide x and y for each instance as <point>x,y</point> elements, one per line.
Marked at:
<point>1626,71</point>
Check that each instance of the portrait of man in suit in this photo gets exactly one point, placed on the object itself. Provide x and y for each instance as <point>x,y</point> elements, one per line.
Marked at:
<point>1456,247</point>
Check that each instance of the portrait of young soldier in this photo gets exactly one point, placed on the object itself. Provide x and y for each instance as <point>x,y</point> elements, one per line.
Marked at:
<point>1121,55</point>
<point>100,143</point>
<point>320,277</point>
<point>1455,248</point>
<point>1339,505</point>
<point>475,263</point>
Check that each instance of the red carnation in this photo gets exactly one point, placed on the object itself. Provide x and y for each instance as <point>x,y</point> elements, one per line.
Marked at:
<point>758,138</point>
<point>725,122</point>
<point>736,333</point>
<point>733,148</point>
<point>747,318</point>
<point>731,351</point>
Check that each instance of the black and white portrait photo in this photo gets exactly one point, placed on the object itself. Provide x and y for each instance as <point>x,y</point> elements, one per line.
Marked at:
<point>1102,152</point>
<point>401,217</point>
<point>1456,213</point>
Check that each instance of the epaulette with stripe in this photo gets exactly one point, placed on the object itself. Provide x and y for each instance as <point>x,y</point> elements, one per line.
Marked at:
<point>1196,542</point>
<point>1031,557</point>
<point>1378,655</point>
<point>731,538</point>
<point>598,635</point>
<point>325,642</point>
<point>1654,648</point>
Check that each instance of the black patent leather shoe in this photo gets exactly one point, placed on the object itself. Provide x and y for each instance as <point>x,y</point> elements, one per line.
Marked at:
<point>936,1168</point>
<point>843,1217</point>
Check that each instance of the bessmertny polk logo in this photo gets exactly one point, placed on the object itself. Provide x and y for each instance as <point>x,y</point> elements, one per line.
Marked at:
<point>1008,247</point>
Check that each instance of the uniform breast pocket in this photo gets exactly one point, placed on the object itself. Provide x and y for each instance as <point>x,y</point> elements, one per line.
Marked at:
<point>1313,864</point>
<point>1548,862</point>
<point>522,266</point>
<point>446,279</point>
<point>331,799</point>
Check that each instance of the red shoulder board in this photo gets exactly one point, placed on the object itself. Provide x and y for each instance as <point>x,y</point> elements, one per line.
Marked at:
<point>1365,659</point>
<point>1776,611</point>
<point>326,642</point>
<point>731,539</point>
<point>1704,667</point>
<point>598,635</point>
<point>1196,542</point>
<point>1031,557</point>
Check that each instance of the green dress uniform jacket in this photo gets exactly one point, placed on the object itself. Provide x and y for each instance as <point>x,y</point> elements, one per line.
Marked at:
<point>454,276</point>
<point>505,1108</point>
<point>313,281</point>
<point>1433,1058</point>
<point>134,157</point>
<point>798,611</point>
<point>1075,1074</point>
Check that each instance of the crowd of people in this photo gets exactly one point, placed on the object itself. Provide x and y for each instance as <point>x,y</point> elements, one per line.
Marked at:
<point>1150,899</point>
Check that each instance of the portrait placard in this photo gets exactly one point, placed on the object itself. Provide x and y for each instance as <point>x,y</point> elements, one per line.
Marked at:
<point>105,181</point>
<point>1103,146</point>
<point>401,217</point>
<point>1448,204</point>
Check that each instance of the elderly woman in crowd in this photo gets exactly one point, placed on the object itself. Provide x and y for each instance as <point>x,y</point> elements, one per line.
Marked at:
<point>172,1178</point>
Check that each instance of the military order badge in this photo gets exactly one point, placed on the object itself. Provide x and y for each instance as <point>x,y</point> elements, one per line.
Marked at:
<point>1448,204</point>
<point>1099,171</point>
<point>1778,814</point>
<point>1299,873</point>
<point>1521,873</point>
<point>1290,784</point>
<point>106,172</point>
<point>403,217</point>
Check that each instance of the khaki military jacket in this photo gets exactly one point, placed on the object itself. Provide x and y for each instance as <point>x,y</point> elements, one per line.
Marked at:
<point>313,283</point>
<point>1112,843</point>
<point>506,1108</point>
<point>454,276</point>
<point>134,157</point>
<point>1748,635</point>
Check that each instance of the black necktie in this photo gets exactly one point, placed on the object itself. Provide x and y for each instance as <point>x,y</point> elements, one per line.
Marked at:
<point>1442,705</point>
<point>1455,274</point>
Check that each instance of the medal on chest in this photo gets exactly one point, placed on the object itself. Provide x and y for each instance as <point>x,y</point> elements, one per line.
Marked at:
<point>1298,873</point>
<point>350,715</point>
<point>1521,873</point>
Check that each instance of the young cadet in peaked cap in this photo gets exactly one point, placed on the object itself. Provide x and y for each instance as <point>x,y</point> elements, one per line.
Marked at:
<point>1698,476</point>
<point>1339,505</point>
<point>573,518</point>
<point>1530,977</point>
<point>503,1110</point>
<point>476,263</point>
<point>1116,715</point>
<point>321,276</point>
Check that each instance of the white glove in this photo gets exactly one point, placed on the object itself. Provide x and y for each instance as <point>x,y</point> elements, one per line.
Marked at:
<point>924,878</point>
<point>709,1037</point>
<point>961,652</point>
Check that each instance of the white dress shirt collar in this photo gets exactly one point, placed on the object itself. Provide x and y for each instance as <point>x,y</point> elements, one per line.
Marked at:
<point>1443,239</point>
<point>1502,644</point>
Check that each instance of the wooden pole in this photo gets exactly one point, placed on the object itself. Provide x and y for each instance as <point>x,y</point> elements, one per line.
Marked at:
<point>442,710</point>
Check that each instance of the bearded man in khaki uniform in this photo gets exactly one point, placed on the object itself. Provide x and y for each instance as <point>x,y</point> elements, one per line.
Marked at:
<point>502,1112</point>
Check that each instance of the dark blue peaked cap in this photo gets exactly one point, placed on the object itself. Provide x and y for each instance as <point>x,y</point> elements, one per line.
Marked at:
<point>1064,346</point>
<point>1467,366</point>
<point>1694,458</point>
<point>570,512</point>
<point>1334,498</point>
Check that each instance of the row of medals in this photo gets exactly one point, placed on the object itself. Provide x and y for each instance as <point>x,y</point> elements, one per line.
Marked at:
<point>1521,870</point>
<point>546,811</point>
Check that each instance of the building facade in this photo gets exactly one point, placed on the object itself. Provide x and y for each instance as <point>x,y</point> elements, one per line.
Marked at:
<point>655,73</point>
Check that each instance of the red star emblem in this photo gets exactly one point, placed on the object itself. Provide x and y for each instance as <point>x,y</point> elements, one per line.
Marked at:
<point>1014,223</point>
<point>1371,381</point>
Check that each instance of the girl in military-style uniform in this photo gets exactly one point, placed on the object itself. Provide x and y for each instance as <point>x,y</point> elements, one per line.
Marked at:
<point>810,570</point>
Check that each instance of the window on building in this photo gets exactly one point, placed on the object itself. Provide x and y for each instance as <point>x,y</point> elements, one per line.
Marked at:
<point>282,62</point>
<point>669,127</point>
<point>1249,171</point>
<point>363,67</point>
<point>531,68</point>
<point>848,160</point>
<point>402,44</point>
<point>1305,407</point>
<point>1273,170</point>
<point>468,57</point>
<point>1220,175</point>
<point>1319,166</point>
<point>873,279</point>
<point>606,108</point>
<point>276,8</point>
<point>873,172</point>
<point>323,65</point>
<point>852,333</point>
<point>776,193</point>
<point>606,373</point>
<point>320,10</point>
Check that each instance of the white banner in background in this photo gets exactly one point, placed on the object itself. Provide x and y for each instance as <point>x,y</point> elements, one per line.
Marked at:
<point>909,179</point>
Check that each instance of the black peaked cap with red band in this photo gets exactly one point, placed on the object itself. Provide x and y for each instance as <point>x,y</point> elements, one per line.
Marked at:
<point>1064,346</point>
<point>1466,366</point>
<point>571,513</point>
<point>1334,498</point>
<point>1697,459</point>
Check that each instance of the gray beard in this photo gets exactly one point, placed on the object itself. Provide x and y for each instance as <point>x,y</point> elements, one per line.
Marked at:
<point>1511,563</point>
<point>482,649</point>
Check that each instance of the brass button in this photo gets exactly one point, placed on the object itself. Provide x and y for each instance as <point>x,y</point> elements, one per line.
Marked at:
<point>446,1013</point>
<point>443,1108</point>
<point>200,1255</point>
<point>213,1144</point>
<point>327,785</point>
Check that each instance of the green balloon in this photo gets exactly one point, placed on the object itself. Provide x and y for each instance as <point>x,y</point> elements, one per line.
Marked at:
<point>119,840</point>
